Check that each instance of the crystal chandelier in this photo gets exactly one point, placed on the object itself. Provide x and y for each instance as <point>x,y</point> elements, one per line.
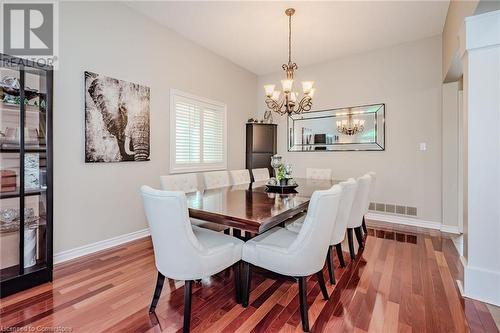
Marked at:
<point>350,126</point>
<point>286,102</point>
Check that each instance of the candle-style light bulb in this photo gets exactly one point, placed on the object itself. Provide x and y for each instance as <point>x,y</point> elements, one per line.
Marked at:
<point>311,93</point>
<point>269,89</point>
<point>287,85</point>
<point>307,86</point>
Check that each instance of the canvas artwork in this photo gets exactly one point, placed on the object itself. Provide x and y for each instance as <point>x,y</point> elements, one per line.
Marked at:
<point>116,120</point>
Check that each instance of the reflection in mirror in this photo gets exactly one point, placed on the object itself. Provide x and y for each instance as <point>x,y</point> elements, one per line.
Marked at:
<point>353,128</point>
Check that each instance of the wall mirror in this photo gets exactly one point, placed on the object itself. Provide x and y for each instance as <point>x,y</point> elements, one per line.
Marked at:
<point>346,129</point>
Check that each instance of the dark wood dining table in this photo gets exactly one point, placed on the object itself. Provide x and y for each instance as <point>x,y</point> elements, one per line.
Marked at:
<point>250,207</point>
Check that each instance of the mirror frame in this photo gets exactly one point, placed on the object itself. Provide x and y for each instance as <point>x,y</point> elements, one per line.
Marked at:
<point>377,145</point>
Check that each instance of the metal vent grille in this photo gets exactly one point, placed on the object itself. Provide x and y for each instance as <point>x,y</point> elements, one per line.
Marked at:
<point>393,209</point>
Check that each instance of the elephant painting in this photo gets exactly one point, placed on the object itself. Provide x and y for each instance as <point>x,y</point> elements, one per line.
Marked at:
<point>116,120</point>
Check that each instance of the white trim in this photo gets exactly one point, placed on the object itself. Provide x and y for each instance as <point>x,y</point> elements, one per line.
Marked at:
<point>198,167</point>
<point>414,222</point>
<point>482,30</point>
<point>463,261</point>
<point>451,229</point>
<point>482,284</point>
<point>459,244</point>
<point>99,246</point>
<point>397,219</point>
<point>460,287</point>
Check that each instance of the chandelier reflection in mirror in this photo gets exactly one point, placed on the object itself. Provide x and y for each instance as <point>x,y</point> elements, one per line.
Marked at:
<point>319,130</point>
<point>350,126</point>
<point>286,102</point>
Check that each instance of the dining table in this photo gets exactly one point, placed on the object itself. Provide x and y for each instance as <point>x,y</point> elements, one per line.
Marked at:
<point>252,207</point>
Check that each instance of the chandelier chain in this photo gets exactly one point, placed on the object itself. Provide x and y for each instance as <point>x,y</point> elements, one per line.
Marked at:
<point>290,39</point>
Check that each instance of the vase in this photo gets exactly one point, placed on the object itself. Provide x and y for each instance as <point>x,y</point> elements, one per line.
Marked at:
<point>276,162</point>
<point>283,182</point>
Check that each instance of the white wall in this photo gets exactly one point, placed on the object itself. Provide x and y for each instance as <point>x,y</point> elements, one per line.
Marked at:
<point>458,10</point>
<point>93,202</point>
<point>408,79</point>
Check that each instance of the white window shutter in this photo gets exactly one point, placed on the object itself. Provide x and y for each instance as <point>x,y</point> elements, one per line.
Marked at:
<point>198,134</point>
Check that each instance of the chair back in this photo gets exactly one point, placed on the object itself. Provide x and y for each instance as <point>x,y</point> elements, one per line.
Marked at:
<point>176,248</point>
<point>318,174</point>
<point>240,177</point>
<point>186,183</point>
<point>216,179</point>
<point>360,204</point>
<point>310,247</point>
<point>348,192</point>
<point>260,174</point>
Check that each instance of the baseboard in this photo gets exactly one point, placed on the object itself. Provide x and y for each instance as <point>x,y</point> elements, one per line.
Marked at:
<point>414,222</point>
<point>450,229</point>
<point>99,246</point>
<point>459,244</point>
<point>410,221</point>
<point>482,285</point>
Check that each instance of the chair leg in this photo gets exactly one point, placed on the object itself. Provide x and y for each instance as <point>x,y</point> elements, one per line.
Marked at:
<point>188,286</point>
<point>364,226</point>
<point>329,264</point>
<point>237,233</point>
<point>340,254</point>
<point>246,284</point>
<point>237,281</point>
<point>322,286</point>
<point>359,237</point>
<point>303,303</point>
<point>351,243</point>
<point>156,296</point>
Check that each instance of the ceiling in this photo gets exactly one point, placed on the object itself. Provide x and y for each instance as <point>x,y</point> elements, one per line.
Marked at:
<point>254,34</point>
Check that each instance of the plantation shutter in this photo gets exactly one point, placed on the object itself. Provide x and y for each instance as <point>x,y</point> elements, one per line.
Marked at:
<point>199,135</point>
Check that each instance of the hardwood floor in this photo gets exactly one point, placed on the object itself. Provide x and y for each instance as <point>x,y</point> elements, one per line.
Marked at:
<point>403,281</point>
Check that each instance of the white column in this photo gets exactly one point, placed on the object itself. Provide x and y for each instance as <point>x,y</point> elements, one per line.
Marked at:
<point>480,45</point>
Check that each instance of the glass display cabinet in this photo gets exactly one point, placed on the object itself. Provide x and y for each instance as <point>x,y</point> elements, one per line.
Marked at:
<point>26,174</point>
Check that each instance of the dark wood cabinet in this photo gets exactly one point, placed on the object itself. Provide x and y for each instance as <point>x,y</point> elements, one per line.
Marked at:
<point>261,145</point>
<point>26,168</point>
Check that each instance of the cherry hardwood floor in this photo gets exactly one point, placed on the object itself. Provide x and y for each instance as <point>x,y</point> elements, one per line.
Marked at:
<point>403,281</point>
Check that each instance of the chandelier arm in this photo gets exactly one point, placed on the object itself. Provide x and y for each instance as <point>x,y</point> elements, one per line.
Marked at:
<point>275,106</point>
<point>305,104</point>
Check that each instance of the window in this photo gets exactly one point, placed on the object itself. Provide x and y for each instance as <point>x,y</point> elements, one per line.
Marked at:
<point>197,133</point>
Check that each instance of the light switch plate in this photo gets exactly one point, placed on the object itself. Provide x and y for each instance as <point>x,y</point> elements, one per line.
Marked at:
<point>423,146</point>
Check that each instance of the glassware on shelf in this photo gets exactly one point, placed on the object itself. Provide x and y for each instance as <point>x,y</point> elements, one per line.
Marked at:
<point>10,220</point>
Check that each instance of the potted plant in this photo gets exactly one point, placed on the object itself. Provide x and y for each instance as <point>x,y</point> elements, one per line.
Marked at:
<point>281,175</point>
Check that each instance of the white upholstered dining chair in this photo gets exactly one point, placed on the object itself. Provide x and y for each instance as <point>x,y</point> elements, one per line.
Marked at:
<point>296,254</point>
<point>182,251</point>
<point>318,174</point>
<point>216,179</point>
<point>358,211</point>
<point>260,174</point>
<point>188,183</point>
<point>239,177</point>
<point>340,225</point>
<point>349,188</point>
